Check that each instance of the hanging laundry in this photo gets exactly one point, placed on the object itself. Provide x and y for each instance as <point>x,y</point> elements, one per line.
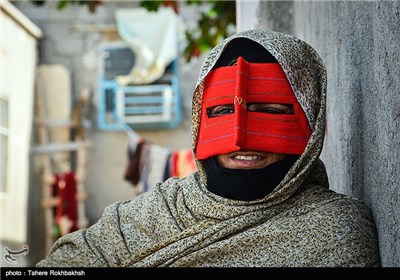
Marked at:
<point>168,168</point>
<point>149,164</point>
<point>132,172</point>
<point>66,212</point>
<point>186,163</point>
<point>153,171</point>
<point>144,158</point>
<point>173,165</point>
<point>182,163</point>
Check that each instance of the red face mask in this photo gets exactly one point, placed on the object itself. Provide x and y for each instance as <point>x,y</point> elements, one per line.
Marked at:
<point>236,112</point>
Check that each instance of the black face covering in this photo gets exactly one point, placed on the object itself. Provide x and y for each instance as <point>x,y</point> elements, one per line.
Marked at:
<point>251,51</point>
<point>241,184</point>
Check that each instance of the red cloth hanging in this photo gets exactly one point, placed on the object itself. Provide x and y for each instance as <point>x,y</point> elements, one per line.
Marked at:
<point>66,214</point>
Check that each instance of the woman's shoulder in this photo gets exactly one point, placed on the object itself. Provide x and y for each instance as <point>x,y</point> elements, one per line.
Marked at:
<point>342,225</point>
<point>343,206</point>
<point>328,202</point>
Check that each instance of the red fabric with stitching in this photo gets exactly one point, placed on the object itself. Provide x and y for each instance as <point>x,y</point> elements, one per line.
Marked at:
<point>247,83</point>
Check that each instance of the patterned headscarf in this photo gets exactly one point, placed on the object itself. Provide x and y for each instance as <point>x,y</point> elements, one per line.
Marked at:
<point>181,223</point>
<point>307,76</point>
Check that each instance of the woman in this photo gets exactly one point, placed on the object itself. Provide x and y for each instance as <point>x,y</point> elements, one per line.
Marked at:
<point>260,197</point>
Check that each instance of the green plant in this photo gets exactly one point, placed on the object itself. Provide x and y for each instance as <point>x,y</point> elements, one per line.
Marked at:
<point>62,4</point>
<point>213,25</point>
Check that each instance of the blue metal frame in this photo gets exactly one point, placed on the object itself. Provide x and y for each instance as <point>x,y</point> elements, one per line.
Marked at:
<point>109,118</point>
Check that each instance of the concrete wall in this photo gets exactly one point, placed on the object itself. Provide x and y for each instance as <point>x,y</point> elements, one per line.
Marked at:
<point>360,44</point>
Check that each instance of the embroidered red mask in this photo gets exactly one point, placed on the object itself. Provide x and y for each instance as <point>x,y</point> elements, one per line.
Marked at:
<point>229,121</point>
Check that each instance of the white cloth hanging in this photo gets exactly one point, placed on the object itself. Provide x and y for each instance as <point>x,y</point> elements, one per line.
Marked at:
<point>153,37</point>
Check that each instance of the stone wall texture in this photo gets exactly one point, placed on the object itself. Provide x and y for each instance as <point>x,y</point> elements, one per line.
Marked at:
<point>360,44</point>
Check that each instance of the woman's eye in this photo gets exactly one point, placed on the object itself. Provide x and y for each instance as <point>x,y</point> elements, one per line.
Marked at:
<point>220,110</point>
<point>270,108</point>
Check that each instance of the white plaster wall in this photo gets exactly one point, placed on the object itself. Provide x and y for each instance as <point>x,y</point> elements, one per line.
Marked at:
<point>18,59</point>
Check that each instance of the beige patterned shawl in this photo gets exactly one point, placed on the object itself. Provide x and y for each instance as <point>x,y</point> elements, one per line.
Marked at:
<point>181,223</point>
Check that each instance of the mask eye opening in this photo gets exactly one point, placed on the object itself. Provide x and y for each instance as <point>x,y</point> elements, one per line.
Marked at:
<point>271,108</point>
<point>220,110</point>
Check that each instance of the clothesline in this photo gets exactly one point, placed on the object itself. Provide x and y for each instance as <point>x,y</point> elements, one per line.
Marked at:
<point>131,133</point>
<point>149,164</point>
